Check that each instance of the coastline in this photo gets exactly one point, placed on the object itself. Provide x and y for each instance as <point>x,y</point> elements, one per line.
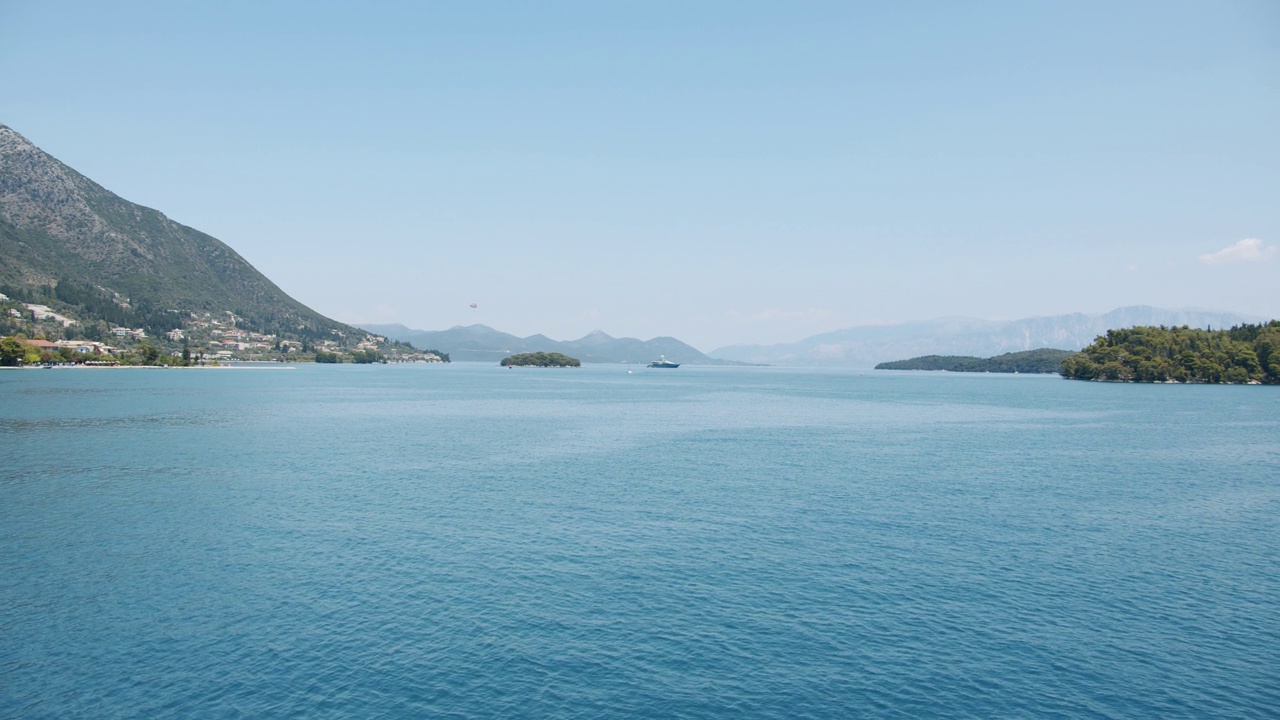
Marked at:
<point>150,367</point>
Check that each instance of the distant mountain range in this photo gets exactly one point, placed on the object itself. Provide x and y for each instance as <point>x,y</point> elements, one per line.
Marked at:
<point>865,346</point>
<point>68,242</point>
<point>483,343</point>
<point>71,245</point>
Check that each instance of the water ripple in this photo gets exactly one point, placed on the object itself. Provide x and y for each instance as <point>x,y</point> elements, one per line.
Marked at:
<point>393,543</point>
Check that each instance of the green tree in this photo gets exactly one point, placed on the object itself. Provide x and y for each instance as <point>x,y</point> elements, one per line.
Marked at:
<point>540,359</point>
<point>147,353</point>
<point>1244,353</point>
<point>12,351</point>
<point>1236,375</point>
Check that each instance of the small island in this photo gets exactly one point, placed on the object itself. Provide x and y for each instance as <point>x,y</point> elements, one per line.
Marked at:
<point>1044,360</point>
<point>1245,354</point>
<point>541,359</point>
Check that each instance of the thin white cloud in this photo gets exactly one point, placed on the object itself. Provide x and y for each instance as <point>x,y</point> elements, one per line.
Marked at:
<point>1247,250</point>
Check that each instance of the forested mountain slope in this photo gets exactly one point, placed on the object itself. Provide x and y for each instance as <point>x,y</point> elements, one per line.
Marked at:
<point>67,241</point>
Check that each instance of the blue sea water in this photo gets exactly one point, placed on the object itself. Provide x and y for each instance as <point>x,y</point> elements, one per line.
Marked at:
<point>470,541</point>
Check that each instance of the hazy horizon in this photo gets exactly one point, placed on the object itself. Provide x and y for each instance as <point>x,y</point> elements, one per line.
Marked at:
<point>887,324</point>
<point>722,174</point>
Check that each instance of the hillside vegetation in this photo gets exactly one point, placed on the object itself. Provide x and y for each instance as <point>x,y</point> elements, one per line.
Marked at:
<point>540,359</point>
<point>68,243</point>
<point>1044,360</point>
<point>1244,354</point>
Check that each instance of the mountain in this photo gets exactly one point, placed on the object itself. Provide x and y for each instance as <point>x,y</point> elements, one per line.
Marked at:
<point>865,346</point>
<point>474,342</point>
<point>66,240</point>
<point>483,343</point>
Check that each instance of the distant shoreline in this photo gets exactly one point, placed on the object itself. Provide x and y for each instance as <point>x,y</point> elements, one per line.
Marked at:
<point>264,366</point>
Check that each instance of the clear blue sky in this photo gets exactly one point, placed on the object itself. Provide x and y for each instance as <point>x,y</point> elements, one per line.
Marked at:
<point>722,172</point>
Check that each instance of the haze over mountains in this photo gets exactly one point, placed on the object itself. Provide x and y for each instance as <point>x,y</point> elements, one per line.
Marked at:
<point>865,346</point>
<point>61,231</point>
<point>483,343</point>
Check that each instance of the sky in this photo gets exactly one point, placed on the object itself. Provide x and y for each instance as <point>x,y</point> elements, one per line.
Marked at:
<point>721,172</point>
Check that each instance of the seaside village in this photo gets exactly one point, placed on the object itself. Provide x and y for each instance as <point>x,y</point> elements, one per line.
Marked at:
<point>47,337</point>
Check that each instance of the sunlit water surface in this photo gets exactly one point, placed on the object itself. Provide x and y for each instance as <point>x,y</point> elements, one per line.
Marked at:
<point>469,541</point>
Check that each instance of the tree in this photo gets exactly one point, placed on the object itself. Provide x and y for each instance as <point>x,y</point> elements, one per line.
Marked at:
<point>540,359</point>
<point>12,351</point>
<point>1236,375</point>
<point>149,354</point>
<point>1245,353</point>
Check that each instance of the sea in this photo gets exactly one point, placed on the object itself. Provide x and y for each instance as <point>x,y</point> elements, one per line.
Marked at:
<point>469,541</point>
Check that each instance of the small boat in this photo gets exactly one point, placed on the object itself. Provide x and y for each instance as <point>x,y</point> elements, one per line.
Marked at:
<point>663,362</point>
